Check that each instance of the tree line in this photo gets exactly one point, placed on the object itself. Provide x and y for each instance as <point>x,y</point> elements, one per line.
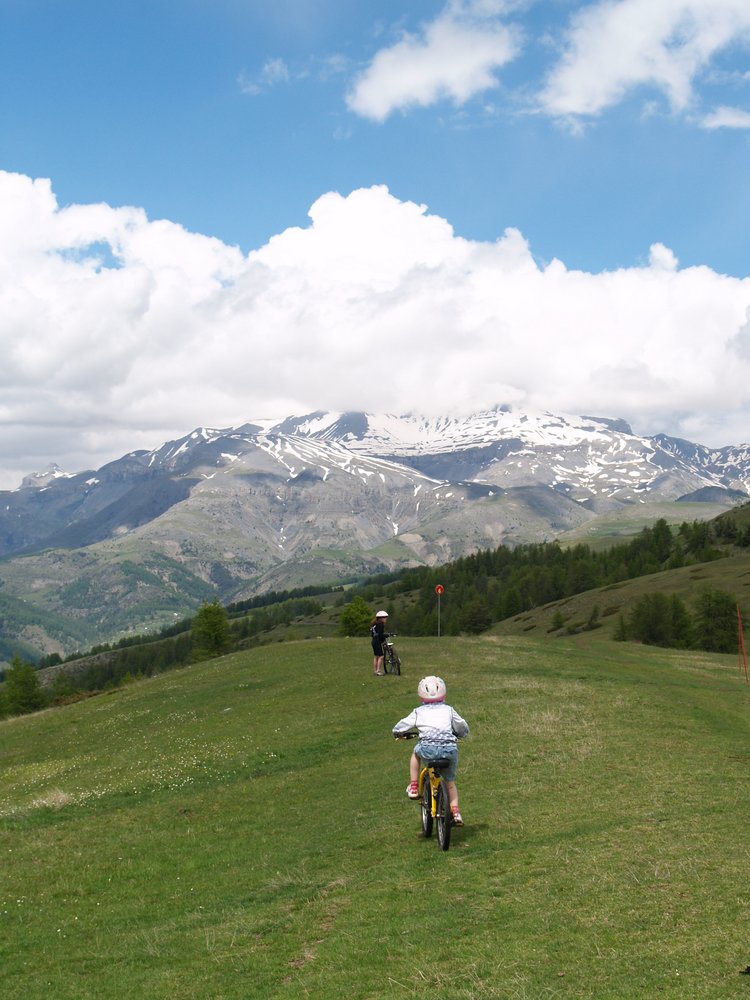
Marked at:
<point>662,619</point>
<point>211,632</point>
<point>481,589</point>
<point>492,585</point>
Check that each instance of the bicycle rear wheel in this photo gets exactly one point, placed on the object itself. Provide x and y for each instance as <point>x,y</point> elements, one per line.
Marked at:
<point>426,807</point>
<point>443,817</point>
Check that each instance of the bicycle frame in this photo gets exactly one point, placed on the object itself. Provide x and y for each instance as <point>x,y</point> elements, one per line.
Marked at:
<point>391,659</point>
<point>432,783</point>
<point>429,773</point>
<point>434,798</point>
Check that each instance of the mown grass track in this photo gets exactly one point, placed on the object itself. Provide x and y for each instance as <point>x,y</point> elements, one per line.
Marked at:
<point>239,829</point>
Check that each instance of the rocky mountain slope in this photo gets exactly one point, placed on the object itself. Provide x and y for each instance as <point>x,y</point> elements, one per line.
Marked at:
<point>318,498</point>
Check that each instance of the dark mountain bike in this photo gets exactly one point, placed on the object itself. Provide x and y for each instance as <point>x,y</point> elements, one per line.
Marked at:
<point>391,660</point>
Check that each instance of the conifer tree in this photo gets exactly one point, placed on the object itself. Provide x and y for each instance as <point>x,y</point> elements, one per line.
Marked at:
<point>355,618</point>
<point>210,631</point>
<point>23,691</point>
<point>716,621</point>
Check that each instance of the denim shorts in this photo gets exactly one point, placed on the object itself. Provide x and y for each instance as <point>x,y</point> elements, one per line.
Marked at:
<point>430,751</point>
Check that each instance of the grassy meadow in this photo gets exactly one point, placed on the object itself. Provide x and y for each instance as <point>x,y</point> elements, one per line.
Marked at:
<point>239,829</point>
<point>730,574</point>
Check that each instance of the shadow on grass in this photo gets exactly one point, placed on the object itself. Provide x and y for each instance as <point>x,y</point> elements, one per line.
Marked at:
<point>461,836</point>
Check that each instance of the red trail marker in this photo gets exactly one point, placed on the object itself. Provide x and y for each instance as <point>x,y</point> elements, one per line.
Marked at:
<point>439,590</point>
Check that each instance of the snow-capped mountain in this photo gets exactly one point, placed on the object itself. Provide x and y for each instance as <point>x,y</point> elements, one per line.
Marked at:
<point>411,434</point>
<point>590,458</point>
<point>596,462</point>
<point>316,498</point>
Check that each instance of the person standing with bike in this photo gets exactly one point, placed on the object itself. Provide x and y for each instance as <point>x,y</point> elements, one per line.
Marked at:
<point>377,635</point>
<point>439,727</point>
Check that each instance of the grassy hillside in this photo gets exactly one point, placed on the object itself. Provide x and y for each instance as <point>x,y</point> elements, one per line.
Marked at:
<point>731,574</point>
<point>623,523</point>
<point>63,600</point>
<point>239,829</point>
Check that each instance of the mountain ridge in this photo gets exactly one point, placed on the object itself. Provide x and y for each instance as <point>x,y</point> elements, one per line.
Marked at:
<point>327,496</point>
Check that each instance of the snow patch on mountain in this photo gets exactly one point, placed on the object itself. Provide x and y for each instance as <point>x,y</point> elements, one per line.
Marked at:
<point>584,457</point>
<point>41,480</point>
<point>410,434</point>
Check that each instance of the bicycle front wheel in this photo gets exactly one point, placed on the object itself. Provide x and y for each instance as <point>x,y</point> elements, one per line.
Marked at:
<point>444,818</point>
<point>395,664</point>
<point>426,807</point>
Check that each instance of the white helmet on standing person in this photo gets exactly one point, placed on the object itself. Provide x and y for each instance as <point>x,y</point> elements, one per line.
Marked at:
<point>432,689</point>
<point>381,614</point>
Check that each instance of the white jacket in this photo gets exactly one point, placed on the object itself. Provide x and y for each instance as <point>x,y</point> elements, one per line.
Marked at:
<point>435,722</point>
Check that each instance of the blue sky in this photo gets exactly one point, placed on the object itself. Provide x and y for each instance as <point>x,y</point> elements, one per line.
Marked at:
<point>231,118</point>
<point>573,177</point>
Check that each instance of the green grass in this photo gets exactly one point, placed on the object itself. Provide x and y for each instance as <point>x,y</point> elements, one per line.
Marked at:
<point>239,829</point>
<point>730,574</point>
<point>624,523</point>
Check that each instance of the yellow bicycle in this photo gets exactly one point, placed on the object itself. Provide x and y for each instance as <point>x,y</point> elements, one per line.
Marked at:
<point>435,804</point>
<point>433,797</point>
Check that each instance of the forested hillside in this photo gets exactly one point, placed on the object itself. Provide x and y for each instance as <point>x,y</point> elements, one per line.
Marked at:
<point>494,585</point>
<point>480,591</point>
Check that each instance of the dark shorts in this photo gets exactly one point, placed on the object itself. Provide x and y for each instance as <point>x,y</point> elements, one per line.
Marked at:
<point>377,647</point>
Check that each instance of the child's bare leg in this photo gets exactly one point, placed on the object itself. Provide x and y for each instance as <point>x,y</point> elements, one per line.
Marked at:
<point>452,794</point>
<point>414,768</point>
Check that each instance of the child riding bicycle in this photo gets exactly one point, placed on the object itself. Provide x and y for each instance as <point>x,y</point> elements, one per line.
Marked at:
<point>439,727</point>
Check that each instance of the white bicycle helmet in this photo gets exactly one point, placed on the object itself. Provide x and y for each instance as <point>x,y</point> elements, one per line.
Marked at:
<point>381,614</point>
<point>431,689</point>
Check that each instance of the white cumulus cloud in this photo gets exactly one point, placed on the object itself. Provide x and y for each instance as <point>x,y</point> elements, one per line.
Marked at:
<point>724,117</point>
<point>453,58</point>
<point>614,46</point>
<point>118,332</point>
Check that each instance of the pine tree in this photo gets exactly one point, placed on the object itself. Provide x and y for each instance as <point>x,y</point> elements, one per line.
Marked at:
<point>355,618</point>
<point>651,620</point>
<point>23,692</point>
<point>476,617</point>
<point>210,631</point>
<point>682,623</point>
<point>716,621</point>
<point>621,633</point>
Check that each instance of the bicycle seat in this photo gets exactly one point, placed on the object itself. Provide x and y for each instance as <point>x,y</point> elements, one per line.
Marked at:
<point>438,763</point>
